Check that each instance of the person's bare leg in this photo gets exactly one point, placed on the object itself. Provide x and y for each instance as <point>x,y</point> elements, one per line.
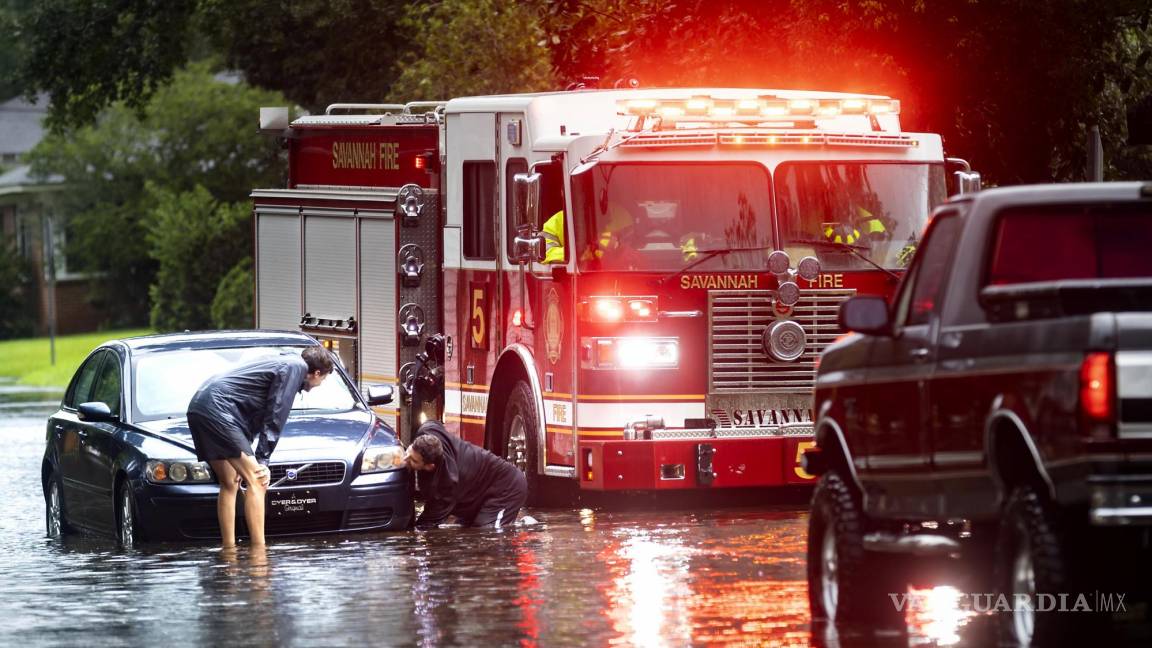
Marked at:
<point>257,478</point>
<point>226,501</point>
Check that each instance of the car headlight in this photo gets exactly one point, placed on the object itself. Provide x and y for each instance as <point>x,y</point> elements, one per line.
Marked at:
<point>378,458</point>
<point>178,472</point>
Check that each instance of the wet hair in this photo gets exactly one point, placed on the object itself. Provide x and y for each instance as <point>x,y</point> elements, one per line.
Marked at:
<point>318,359</point>
<point>430,448</point>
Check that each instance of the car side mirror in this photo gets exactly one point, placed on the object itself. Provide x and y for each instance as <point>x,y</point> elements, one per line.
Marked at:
<point>866,314</point>
<point>380,394</point>
<point>96,412</point>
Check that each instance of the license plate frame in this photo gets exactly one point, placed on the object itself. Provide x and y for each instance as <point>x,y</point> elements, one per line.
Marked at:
<point>291,503</point>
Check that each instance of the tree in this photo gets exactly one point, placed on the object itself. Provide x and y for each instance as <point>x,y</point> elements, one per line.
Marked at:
<point>1012,85</point>
<point>195,241</point>
<point>198,132</point>
<point>473,47</point>
<point>17,299</point>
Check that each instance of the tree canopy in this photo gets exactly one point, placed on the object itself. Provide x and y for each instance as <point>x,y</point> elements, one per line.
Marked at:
<point>127,174</point>
<point>1012,85</point>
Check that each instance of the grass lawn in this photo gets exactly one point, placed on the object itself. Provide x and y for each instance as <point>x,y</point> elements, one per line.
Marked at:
<point>29,360</point>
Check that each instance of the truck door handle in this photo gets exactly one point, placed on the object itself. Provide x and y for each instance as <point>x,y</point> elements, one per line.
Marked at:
<point>919,354</point>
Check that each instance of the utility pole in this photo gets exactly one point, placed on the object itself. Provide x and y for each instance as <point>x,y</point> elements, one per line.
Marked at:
<point>1095,156</point>
<point>50,277</point>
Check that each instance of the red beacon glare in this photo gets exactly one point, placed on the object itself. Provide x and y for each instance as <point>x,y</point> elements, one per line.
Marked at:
<point>617,309</point>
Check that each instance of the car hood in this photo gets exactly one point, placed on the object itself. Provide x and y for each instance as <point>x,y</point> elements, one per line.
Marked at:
<point>306,436</point>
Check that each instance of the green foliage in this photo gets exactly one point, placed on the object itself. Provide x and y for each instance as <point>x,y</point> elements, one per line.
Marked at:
<point>232,306</point>
<point>196,133</point>
<point>88,54</point>
<point>11,46</point>
<point>473,47</point>
<point>1013,86</point>
<point>17,300</point>
<point>316,53</point>
<point>194,240</point>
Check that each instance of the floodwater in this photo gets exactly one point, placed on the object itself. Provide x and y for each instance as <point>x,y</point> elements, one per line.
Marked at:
<point>580,577</point>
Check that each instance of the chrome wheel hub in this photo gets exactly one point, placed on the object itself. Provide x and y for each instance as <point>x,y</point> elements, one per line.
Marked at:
<point>829,578</point>
<point>127,523</point>
<point>55,522</point>
<point>1023,585</point>
<point>517,450</point>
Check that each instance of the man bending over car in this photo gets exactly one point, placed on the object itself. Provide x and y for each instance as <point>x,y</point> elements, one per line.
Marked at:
<point>231,409</point>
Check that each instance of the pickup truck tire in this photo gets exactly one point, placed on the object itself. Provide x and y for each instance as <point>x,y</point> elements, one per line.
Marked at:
<point>846,587</point>
<point>1030,560</point>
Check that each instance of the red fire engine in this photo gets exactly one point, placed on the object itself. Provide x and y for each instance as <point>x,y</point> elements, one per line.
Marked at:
<point>624,288</point>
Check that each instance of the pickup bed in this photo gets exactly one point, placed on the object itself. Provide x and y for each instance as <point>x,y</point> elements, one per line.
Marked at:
<point>998,411</point>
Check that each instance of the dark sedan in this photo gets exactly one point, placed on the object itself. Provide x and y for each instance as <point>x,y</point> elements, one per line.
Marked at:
<point>119,458</point>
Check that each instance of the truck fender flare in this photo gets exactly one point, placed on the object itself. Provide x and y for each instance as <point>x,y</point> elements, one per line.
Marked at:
<point>830,437</point>
<point>995,417</point>
<point>521,360</point>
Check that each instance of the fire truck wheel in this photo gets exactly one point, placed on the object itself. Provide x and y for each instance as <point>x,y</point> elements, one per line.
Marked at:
<point>846,585</point>
<point>518,439</point>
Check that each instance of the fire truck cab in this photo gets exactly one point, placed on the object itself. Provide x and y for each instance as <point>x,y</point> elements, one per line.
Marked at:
<point>627,288</point>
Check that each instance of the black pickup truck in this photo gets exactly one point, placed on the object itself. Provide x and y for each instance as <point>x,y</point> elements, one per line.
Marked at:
<point>998,410</point>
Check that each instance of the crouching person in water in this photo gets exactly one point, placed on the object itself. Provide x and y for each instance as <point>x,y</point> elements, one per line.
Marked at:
<point>461,479</point>
<point>231,409</point>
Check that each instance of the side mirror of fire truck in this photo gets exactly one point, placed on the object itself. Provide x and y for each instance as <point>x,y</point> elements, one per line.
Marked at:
<point>965,179</point>
<point>528,244</point>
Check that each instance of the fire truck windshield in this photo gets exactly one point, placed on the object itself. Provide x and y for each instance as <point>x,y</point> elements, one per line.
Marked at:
<point>844,213</point>
<point>660,217</point>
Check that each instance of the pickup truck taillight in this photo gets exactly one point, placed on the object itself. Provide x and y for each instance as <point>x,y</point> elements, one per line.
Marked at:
<point>1098,391</point>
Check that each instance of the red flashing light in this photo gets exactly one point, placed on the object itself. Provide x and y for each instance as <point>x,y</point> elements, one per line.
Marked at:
<point>517,318</point>
<point>420,162</point>
<point>1097,387</point>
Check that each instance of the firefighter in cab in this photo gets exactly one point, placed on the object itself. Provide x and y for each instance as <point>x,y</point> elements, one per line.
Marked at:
<point>865,225</point>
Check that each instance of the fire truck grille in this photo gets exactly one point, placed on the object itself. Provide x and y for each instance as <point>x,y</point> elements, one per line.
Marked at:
<point>739,319</point>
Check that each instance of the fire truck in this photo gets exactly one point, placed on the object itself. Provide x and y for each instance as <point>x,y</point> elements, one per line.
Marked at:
<point>629,289</point>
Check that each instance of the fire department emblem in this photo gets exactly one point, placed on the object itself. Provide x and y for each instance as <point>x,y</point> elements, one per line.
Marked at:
<point>553,325</point>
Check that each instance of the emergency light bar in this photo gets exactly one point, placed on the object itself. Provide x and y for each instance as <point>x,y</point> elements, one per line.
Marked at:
<point>702,108</point>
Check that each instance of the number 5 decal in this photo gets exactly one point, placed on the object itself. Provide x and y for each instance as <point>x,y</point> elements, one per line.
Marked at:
<point>479,328</point>
<point>800,448</point>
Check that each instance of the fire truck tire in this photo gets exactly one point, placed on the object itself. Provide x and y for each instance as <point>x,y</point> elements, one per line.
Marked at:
<point>847,587</point>
<point>518,442</point>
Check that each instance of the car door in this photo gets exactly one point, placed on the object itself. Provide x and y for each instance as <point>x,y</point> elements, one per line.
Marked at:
<point>68,433</point>
<point>101,442</point>
<point>894,410</point>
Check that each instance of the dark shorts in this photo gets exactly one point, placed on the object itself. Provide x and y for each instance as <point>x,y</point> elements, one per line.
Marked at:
<point>215,440</point>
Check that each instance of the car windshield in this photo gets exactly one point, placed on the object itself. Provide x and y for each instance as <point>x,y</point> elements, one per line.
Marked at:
<point>835,210</point>
<point>660,217</point>
<point>165,381</point>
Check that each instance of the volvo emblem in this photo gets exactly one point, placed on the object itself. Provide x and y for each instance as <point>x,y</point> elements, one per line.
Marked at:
<point>291,474</point>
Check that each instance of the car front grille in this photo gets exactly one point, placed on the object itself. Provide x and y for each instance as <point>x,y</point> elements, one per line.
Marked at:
<point>366,518</point>
<point>308,473</point>
<point>739,318</point>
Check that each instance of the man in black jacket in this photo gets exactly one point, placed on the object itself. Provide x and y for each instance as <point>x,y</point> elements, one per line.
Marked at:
<point>231,409</point>
<point>462,479</point>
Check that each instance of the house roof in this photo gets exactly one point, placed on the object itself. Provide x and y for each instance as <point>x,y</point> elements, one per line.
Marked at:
<point>21,124</point>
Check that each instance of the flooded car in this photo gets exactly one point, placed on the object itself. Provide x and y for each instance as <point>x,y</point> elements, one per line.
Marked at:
<point>119,457</point>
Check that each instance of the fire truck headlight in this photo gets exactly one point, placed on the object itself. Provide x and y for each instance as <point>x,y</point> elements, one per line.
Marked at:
<point>637,353</point>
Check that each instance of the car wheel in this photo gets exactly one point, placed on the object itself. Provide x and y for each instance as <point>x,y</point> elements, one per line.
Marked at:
<point>57,526</point>
<point>519,435</point>
<point>846,587</point>
<point>1029,561</point>
<point>127,526</point>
